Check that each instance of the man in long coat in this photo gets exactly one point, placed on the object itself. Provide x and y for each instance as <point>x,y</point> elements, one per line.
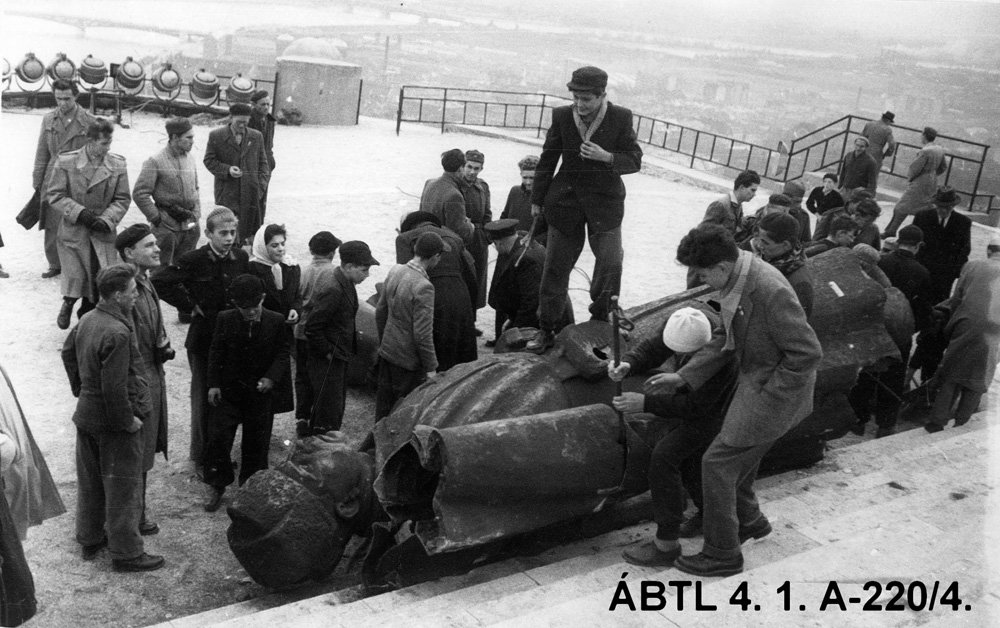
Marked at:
<point>237,158</point>
<point>262,120</point>
<point>63,130</point>
<point>444,196</point>
<point>89,188</point>
<point>477,208</point>
<point>455,288</point>
<point>923,181</point>
<point>880,141</point>
<point>970,361</point>
<point>777,377</point>
<point>138,248</point>
<point>947,242</point>
<point>585,201</point>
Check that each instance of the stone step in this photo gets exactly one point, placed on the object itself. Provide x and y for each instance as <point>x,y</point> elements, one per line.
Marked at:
<point>860,492</point>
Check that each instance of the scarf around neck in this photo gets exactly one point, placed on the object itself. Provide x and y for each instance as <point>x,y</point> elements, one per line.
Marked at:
<point>587,130</point>
<point>731,295</point>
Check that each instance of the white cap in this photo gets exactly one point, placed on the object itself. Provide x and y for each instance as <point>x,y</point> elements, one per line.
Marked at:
<point>687,330</point>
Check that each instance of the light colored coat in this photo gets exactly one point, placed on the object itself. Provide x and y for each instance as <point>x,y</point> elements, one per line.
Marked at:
<point>405,319</point>
<point>778,354</point>
<point>162,181</point>
<point>55,139</point>
<point>974,327</point>
<point>923,177</point>
<point>76,185</point>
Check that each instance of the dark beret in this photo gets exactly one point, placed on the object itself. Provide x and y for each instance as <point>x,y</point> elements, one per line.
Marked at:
<point>257,95</point>
<point>246,290</point>
<point>323,243</point>
<point>127,238</point>
<point>239,109</point>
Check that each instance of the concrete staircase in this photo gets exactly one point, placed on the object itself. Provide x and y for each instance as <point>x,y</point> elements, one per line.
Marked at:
<point>911,508</point>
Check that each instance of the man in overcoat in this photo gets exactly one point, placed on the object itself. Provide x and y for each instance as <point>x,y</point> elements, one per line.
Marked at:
<point>774,391</point>
<point>455,288</point>
<point>970,361</point>
<point>237,158</point>
<point>880,141</point>
<point>262,120</point>
<point>947,242</point>
<point>444,196</point>
<point>477,208</point>
<point>138,248</point>
<point>102,360</point>
<point>332,337</point>
<point>167,192</point>
<point>585,200</point>
<point>89,189</point>
<point>63,130</point>
<point>923,181</point>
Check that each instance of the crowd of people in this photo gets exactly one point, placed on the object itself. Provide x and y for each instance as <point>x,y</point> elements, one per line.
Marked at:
<point>736,385</point>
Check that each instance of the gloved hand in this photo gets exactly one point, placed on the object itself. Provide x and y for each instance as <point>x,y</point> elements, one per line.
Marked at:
<point>86,218</point>
<point>100,226</point>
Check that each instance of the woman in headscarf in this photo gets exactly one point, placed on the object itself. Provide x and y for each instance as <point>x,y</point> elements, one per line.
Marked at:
<point>281,277</point>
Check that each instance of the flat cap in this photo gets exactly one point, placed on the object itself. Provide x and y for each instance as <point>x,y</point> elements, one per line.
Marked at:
<point>588,78</point>
<point>357,252</point>
<point>500,229</point>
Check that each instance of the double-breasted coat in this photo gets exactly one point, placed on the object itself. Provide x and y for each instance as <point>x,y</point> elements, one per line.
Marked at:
<point>76,185</point>
<point>243,195</point>
<point>57,137</point>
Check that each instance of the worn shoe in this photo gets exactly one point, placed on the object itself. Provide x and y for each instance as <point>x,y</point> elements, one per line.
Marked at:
<point>541,341</point>
<point>144,562</point>
<point>302,428</point>
<point>962,421</point>
<point>648,555</point>
<point>758,530</point>
<point>933,428</point>
<point>706,566</point>
<point>148,528</point>
<point>214,500</point>
<point>52,272</point>
<point>65,313</point>
<point>691,527</point>
<point>90,552</point>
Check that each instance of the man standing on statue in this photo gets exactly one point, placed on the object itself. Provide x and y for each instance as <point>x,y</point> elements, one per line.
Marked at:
<point>585,199</point>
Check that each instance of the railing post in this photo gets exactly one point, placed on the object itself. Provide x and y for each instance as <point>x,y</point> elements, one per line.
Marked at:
<point>975,186</point>
<point>444,108</point>
<point>399,111</point>
<point>694,151</point>
<point>357,114</point>
<point>541,117</point>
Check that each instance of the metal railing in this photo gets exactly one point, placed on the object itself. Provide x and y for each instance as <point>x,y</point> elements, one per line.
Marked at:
<point>821,149</point>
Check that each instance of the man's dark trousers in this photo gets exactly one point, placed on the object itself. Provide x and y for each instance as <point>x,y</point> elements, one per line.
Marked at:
<point>109,480</point>
<point>561,254</point>
<point>254,413</point>
<point>674,465</point>
<point>728,474</point>
<point>328,381</point>
<point>394,383</point>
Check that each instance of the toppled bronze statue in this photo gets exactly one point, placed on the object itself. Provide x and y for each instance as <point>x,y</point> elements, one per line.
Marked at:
<point>513,443</point>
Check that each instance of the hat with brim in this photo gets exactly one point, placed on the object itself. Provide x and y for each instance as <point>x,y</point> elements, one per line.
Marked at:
<point>357,252</point>
<point>946,197</point>
<point>500,229</point>
<point>890,116</point>
<point>588,78</point>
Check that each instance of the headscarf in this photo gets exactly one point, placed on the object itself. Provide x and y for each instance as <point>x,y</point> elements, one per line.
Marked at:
<point>259,254</point>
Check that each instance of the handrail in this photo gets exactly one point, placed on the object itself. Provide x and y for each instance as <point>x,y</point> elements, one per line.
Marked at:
<point>819,149</point>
